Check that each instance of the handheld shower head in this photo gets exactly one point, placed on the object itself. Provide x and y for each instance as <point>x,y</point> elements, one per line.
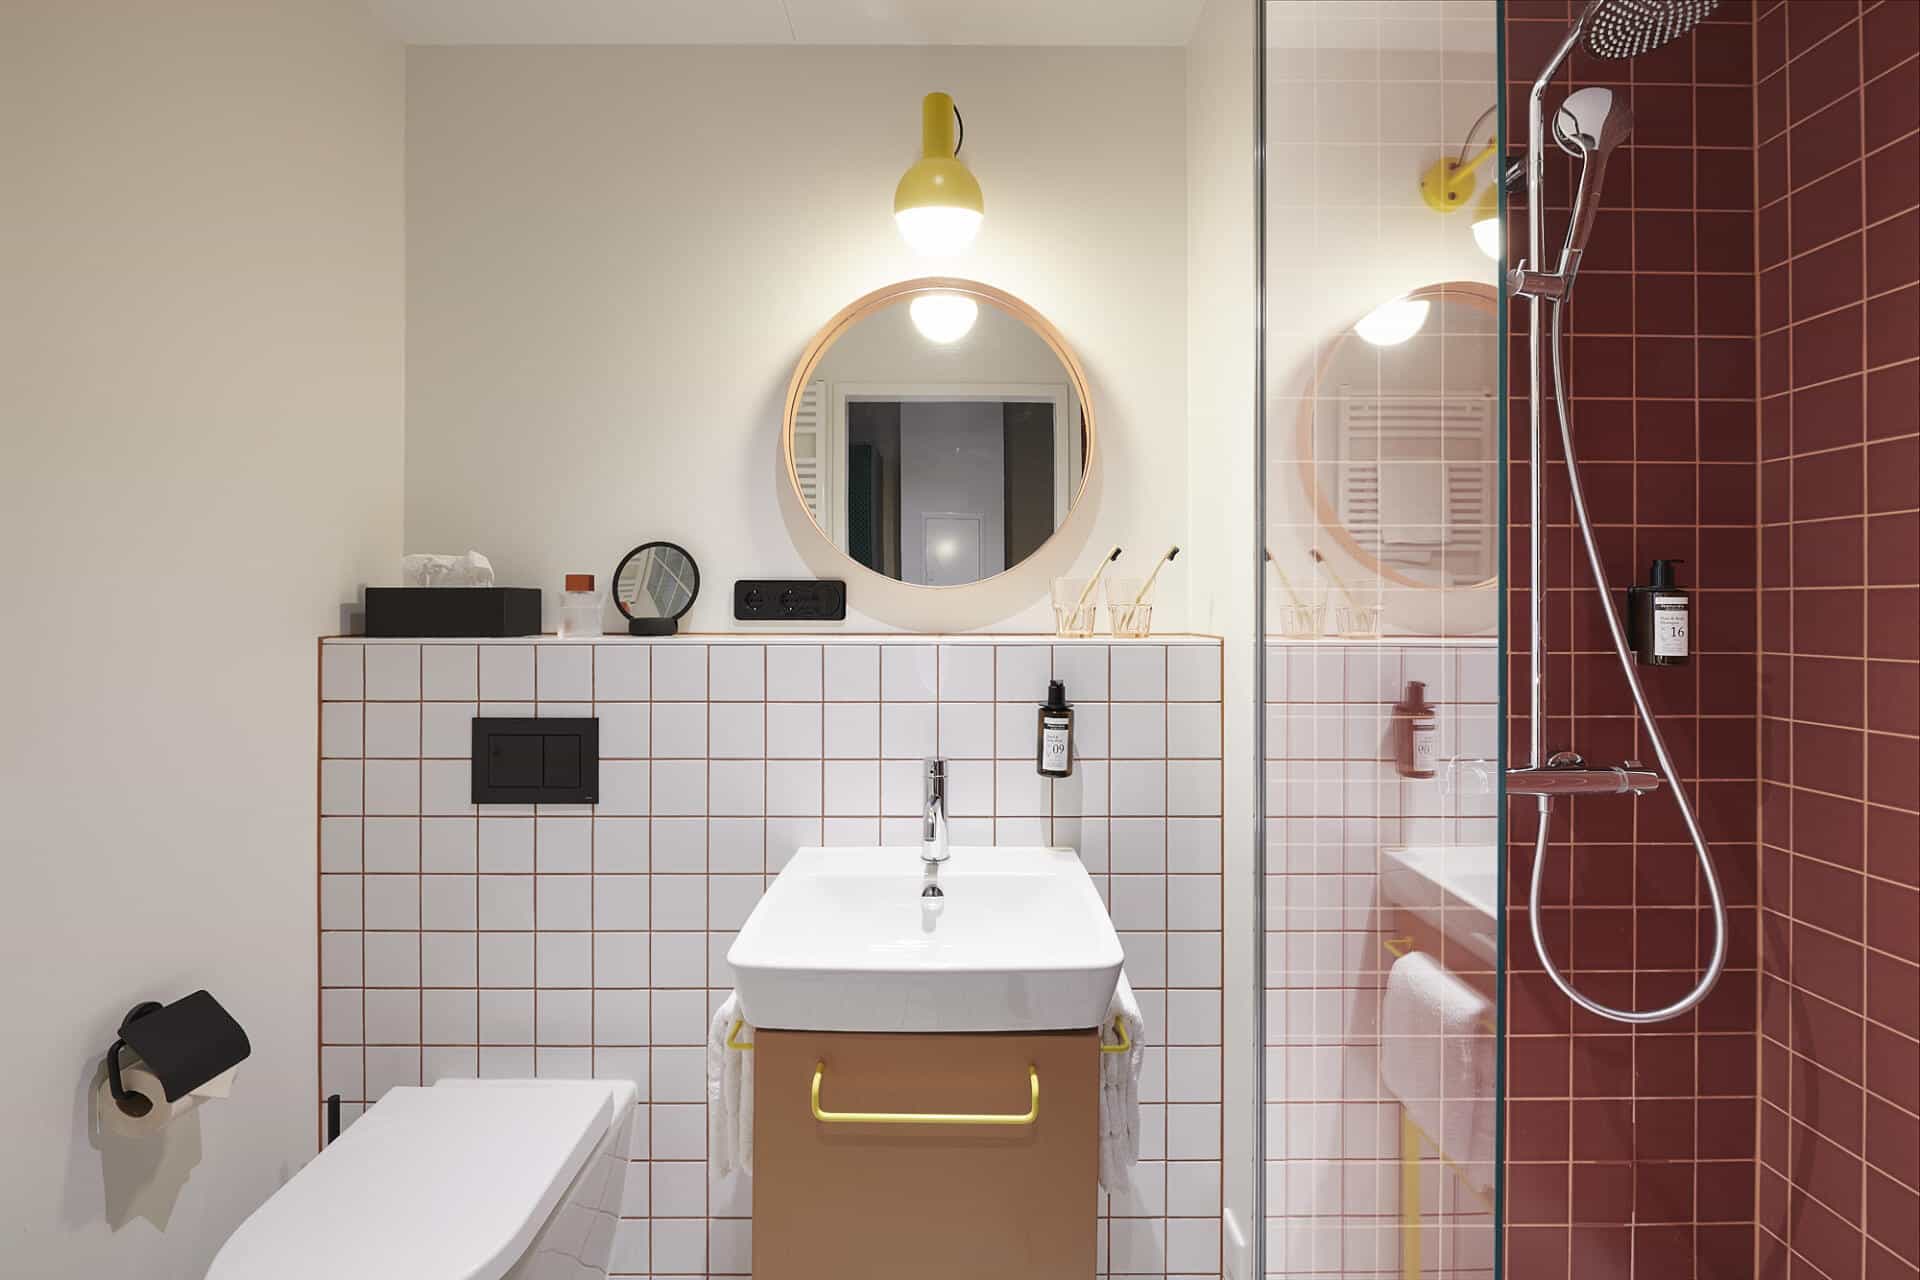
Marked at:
<point>1614,29</point>
<point>1589,124</point>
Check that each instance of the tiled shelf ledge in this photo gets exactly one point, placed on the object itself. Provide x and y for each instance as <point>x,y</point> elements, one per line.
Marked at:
<point>800,637</point>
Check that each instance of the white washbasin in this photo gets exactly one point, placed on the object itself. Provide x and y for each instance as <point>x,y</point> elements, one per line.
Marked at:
<point>844,941</point>
<point>1453,887</point>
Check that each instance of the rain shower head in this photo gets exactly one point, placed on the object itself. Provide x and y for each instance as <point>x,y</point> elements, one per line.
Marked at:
<point>1614,29</point>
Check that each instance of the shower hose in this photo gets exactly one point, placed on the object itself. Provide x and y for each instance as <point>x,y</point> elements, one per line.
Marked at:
<point>1719,958</point>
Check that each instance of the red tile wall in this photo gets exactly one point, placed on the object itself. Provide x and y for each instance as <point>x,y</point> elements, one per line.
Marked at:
<point>1837,107</point>
<point>1631,1150</point>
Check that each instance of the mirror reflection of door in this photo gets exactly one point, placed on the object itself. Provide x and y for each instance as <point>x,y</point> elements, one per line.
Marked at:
<point>939,459</point>
<point>942,490</point>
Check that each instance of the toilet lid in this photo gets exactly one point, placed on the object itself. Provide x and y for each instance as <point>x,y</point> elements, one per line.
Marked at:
<point>429,1184</point>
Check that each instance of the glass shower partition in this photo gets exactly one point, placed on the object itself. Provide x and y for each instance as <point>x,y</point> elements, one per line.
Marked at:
<point>1383,518</point>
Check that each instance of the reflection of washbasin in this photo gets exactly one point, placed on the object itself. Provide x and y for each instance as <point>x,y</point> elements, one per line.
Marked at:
<point>1453,887</point>
<point>844,941</point>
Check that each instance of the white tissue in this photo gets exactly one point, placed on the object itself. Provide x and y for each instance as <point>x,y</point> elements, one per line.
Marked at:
<point>469,570</point>
<point>135,1078</point>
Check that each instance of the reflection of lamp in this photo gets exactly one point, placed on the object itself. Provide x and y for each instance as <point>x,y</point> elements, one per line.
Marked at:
<point>1486,223</point>
<point>1450,183</point>
<point>937,205</point>
<point>943,317</point>
<point>1392,323</point>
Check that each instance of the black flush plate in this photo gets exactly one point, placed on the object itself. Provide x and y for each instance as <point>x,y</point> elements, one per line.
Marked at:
<point>790,600</point>
<point>554,760</point>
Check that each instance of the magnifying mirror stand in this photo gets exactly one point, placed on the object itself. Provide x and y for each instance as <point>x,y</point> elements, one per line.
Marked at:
<point>653,626</point>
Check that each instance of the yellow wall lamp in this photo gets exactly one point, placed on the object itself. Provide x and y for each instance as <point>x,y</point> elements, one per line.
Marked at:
<point>937,205</point>
<point>1449,185</point>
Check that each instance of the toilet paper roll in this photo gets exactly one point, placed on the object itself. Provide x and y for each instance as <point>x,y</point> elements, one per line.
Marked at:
<point>160,1113</point>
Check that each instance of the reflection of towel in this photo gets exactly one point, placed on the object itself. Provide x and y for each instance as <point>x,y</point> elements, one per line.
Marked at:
<point>729,1095</point>
<point>1120,1092</point>
<point>1437,1056</point>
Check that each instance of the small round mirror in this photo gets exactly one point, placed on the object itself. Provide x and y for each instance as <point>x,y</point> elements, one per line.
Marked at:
<point>654,587</point>
<point>1399,438</point>
<point>938,432</point>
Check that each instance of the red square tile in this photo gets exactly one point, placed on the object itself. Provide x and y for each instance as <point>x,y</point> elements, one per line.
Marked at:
<point>1893,327</point>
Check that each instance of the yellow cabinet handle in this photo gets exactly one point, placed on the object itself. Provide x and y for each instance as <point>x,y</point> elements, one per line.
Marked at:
<point>922,1117</point>
<point>733,1037</point>
<point>1126,1041</point>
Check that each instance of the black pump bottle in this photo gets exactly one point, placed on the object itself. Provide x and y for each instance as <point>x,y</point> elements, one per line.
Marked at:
<point>1659,622</point>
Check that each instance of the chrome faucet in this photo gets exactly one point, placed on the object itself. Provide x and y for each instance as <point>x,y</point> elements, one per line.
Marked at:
<point>933,815</point>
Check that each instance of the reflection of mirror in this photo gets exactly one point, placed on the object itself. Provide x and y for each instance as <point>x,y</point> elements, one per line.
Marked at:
<point>938,432</point>
<point>654,587</point>
<point>1399,438</point>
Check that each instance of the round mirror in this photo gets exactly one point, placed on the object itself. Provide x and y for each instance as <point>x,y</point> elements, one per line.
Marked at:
<point>938,432</point>
<point>654,587</point>
<point>1400,438</point>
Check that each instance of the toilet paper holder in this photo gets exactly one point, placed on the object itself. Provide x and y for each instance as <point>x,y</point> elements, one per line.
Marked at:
<point>184,1044</point>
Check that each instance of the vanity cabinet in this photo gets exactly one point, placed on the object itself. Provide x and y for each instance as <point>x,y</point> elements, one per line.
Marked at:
<point>992,1175</point>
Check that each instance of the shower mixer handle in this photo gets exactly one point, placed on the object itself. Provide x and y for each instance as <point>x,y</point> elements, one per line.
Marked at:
<point>1566,774</point>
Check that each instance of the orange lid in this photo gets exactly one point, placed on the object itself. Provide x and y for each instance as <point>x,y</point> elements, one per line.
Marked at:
<point>579,582</point>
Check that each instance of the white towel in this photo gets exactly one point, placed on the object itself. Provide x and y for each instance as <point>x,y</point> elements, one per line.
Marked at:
<point>1437,1055</point>
<point>729,1094</point>
<point>1120,1092</point>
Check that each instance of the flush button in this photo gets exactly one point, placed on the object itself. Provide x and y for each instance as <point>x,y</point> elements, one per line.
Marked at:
<point>549,760</point>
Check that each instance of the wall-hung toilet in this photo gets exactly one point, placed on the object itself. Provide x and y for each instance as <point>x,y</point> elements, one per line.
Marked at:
<point>467,1180</point>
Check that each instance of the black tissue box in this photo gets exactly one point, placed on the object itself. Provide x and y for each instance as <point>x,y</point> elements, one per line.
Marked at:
<point>453,611</point>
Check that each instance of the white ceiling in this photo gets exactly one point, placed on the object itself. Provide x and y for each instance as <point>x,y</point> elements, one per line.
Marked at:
<point>762,22</point>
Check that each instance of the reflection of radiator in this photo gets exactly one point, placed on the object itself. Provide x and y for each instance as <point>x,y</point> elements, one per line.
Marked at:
<point>811,450</point>
<point>1415,472</point>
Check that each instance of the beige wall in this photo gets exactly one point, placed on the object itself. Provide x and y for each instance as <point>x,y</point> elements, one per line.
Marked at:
<point>200,446</point>
<point>616,256</point>
<point>1219,549</point>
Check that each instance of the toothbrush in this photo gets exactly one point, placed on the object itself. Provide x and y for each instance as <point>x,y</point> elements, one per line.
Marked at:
<point>1094,581</point>
<point>1165,560</point>
<point>1286,583</point>
<point>1328,568</point>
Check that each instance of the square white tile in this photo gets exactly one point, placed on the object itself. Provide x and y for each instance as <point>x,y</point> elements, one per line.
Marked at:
<point>506,1017</point>
<point>679,730</point>
<point>506,673</point>
<point>449,672</point>
<point>679,787</point>
<point>966,730</point>
<point>506,845</point>
<point>449,960</point>
<point>909,730</point>
<point>506,902</point>
<point>966,672</point>
<point>851,730</point>
<point>620,902</point>
<point>736,788</point>
<point>621,672</point>
<point>342,671</point>
<point>1137,731</point>
<point>340,787</point>
<point>563,672</point>
<point>794,730</point>
<point>851,672</point>
<point>340,734</point>
<point>679,672</point>
<point>1022,672</point>
<point>506,959</point>
<point>737,730</point>
<point>621,846</point>
<point>793,787</point>
<point>563,902</point>
<point>793,672</point>
<point>1139,672</point>
<point>625,787</point>
<point>449,902</point>
<point>446,729</point>
<point>391,845</point>
<point>1193,673</point>
<point>620,959</point>
<point>563,845</point>
<point>737,672</point>
<point>909,672</point>
<point>393,672</point>
<point>852,787</point>
<point>1083,669</point>
<point>393,786</point>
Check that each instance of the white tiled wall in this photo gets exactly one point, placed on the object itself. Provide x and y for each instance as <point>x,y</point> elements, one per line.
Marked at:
<point>575,940</point>
<point>1334,801</point>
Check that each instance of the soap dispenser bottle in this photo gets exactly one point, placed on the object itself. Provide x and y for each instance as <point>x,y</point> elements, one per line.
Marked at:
<point>1053,756</point>
<point>1416,733</point>
<point>1658,618</point>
